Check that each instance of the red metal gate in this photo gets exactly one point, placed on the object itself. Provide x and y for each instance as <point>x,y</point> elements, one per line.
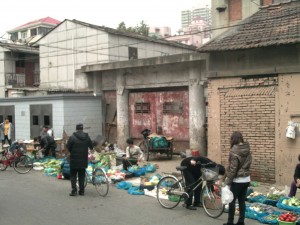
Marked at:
<point>166,112</point>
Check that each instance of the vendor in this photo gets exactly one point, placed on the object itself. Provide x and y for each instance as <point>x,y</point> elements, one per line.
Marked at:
<point>296,182</point>
<point>65,167</point>
<point>133,155</point>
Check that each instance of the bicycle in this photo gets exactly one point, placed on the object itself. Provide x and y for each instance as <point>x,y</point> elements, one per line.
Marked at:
<point>21,162</point>
<point>171,191</point>
<point>98,178</point>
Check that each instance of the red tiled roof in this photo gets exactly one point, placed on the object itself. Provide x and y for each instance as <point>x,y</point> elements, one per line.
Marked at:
<point>277,24</point>
<point>48,20</point>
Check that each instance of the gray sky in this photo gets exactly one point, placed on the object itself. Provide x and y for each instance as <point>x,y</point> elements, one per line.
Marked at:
<point>100,12</point>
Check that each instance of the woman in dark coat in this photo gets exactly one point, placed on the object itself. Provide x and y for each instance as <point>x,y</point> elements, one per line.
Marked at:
<point>78,145</point>
<point>238,176</point>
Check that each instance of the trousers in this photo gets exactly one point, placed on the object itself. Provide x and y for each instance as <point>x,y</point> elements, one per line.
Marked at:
<point>239,191</point>
<point>73,177</point>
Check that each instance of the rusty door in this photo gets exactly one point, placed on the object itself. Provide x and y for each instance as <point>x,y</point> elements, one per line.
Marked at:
<point>164,112</point>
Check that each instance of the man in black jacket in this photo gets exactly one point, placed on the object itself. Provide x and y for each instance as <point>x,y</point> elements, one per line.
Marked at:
<point>192,173</point>
<point>48,143</point>
<point>78,145</point>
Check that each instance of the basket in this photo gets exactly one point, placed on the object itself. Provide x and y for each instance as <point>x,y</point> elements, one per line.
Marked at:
<point>286,223</point>
<point>210,173</point>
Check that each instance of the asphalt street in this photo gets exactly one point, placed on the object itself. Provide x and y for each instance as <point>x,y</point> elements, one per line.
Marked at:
<point>35,199</point>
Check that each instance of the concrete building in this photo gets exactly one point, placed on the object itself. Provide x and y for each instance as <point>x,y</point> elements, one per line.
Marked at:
<point>160,32</point>
<point>32,31</point>
<point>226,13</point>
<point>73,44</point>
<point>254,74</point>
<point>187,16</point>
<point>161,93</point>
<point>196,34</point>
<point>62,53</point>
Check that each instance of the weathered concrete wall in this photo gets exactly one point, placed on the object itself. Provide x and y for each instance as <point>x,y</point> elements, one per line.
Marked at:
<point>288,108</point>
<point>255,61</point>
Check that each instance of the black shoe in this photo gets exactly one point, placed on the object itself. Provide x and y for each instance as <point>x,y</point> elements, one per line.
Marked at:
<point>190,207</point>
<point>228,224</point>
<point>81,193</point>
<point>73,194</point>
<point>240,223</point>
<point>198,205</point>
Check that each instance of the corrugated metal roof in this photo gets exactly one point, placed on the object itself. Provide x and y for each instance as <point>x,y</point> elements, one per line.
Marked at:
<point>276,24</point>
<point>250,91</point>
<point>46,20</point>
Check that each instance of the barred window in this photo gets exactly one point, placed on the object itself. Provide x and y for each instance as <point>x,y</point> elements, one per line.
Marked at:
<point>142,107</point>
<point>172,108</point>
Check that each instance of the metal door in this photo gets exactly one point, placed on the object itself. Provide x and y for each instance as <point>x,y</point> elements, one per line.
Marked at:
<point>40,115</point>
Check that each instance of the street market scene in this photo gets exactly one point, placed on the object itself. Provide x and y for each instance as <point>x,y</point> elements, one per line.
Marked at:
<point>136,125</point>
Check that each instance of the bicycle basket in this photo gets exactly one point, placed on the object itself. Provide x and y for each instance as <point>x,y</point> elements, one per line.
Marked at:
<point>210,173</point>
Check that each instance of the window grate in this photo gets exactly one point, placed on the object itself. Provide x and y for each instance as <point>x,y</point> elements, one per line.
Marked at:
<point>142,107</point>
<point>172,108</point>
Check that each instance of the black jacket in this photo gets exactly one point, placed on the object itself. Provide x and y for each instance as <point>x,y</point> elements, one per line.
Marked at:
<point>47,142</point>
<point>297,172</point>
<point>196,170</point>
<point>78,146</point>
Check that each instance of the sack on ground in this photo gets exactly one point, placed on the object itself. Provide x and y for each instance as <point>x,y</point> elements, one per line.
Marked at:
<point>227,195</point>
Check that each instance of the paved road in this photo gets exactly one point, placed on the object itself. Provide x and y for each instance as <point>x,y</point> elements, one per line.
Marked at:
<point>34,199</point>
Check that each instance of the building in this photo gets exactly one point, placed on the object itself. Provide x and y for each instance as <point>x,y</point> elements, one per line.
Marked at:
<point>61,54</point>
<point>73,44</point>
<point>187,16</point>
<point>227,13</point>
<point>196,34</point>
<point>32,31</point>
<point>254,73</point>
<point>160,32</point>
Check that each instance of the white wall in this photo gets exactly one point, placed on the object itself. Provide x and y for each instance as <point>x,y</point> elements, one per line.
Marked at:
<point>70,46</point>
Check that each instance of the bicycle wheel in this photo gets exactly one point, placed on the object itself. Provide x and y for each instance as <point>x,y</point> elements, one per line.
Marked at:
<point>3,163</point>
<point>145,148</point>
<point>100,181</point>
<point>211,200</point>
<point>23,164</point>
<point>169,192</point>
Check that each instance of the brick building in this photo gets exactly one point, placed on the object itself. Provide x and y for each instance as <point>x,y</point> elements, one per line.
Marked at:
<point>253,76</point>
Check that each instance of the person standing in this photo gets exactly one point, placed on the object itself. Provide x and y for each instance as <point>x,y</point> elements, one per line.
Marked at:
<point>78,145</point>
<point>6,131</point>
<point>238,176</point>
<point>192,173</point>
<point>133,155</point>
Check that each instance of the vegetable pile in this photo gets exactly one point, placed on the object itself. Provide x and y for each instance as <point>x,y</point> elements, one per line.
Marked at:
<point>287,217</point>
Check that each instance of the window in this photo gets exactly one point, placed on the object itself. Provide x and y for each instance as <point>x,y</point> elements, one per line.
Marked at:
<point>35,120</point>
<point>24,34</point>
<point>20,63</point>
<point>132,53</point>
<point>47,120</point>
<point>1,118</point>
<point>33,32</point>
<point>172,108</point>
<point>14,36</point>
<point>43,30</point>
<point>142,107</point>
<point>10,118</point>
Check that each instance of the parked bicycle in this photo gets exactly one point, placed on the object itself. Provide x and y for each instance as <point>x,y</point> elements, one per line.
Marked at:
<point>171,190</point>
<point>97,178</point>
<point>21,162</point>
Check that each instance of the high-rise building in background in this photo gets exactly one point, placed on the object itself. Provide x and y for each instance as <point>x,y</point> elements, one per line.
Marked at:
<point>187,16</point>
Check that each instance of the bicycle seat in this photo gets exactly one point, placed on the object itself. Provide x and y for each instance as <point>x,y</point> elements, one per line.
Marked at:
<point>181,168</point>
